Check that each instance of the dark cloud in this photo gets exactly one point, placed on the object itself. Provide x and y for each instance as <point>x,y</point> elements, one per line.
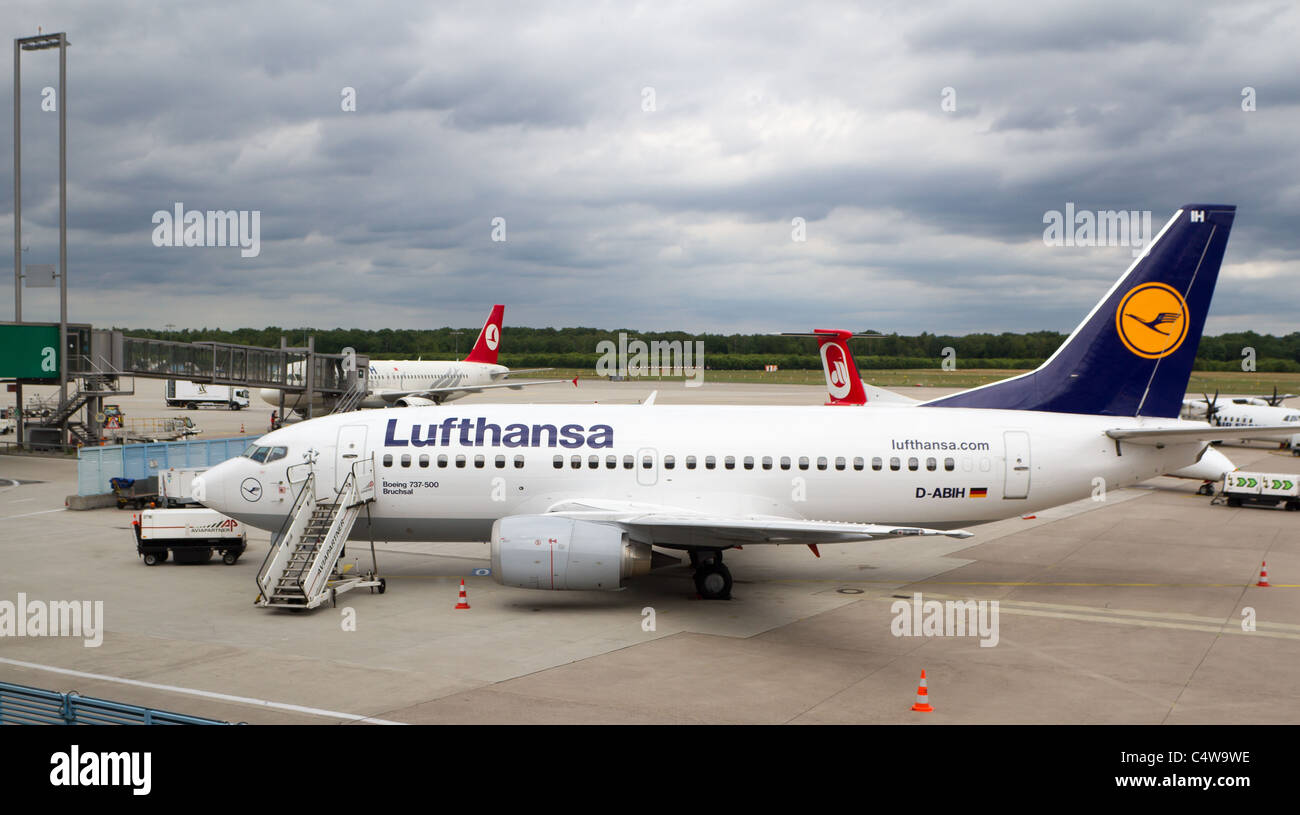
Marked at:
<point>679,217</point>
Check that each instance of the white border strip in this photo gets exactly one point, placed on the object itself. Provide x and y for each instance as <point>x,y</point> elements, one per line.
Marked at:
<point>224,697</point>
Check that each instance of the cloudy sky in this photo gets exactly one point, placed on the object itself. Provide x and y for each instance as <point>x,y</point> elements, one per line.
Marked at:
<point>649,160</point>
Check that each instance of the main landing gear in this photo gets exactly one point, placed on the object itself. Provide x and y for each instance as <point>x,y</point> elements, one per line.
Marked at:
<point>712,578</point>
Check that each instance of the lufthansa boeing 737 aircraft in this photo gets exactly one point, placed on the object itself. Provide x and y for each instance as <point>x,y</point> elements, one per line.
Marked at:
<point>575,496</point>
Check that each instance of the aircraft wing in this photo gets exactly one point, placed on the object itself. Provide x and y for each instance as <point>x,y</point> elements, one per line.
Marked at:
<point>1156,436</point>
<point>672,526</point>
<point>429,393</point>
<point>514,371</point>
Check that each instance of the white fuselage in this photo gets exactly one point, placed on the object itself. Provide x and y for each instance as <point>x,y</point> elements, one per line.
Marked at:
<point>445,474</point>
<point>399,376</point>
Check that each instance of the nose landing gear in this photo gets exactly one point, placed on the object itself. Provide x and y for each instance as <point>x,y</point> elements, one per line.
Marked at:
<point>712,578</point>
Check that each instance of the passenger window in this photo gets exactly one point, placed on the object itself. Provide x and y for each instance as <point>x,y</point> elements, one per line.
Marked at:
<point>442,461</point>
<point>859,463</point>
<point>611,462</point>
<point>985,466</point>
<point>460,462</point>
<point>767,462</point>
<point>913,463</point>
<point>424,460</point>
<point>479,461</point>
<point>628,462</point>
<point>876,463</point>
<point>559,462</point>
<point>575,462</point>
<point>669,462</point>
<point>647,462</point>
<point>500,462</point>
<point>895,463</point>
<point>729,462</point>
<point>967,465</point>
<point>949,464</point>
<point>748,462</point>
<point>785,462</point>
<point>406,460</point>
<point>803,462</point>
<point>593,462</point>
<point>690,462</point>
<point>931,464</point>
<point>710,462</point>
<point>388,459</point>
<point>519,462</point>
<point>821,462</point>
<point>839,463</point>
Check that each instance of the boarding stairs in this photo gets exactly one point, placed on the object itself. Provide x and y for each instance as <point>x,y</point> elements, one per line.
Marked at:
<point>94,384</point>
<point>350,398</point>
<point>302,569</point>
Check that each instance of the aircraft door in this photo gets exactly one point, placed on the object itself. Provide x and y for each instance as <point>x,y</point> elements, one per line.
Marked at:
<point>1017,476</point>
<point>351,449</point>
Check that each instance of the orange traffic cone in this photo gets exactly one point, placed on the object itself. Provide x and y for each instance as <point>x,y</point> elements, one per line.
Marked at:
<point>464,601</point>
<point>241,428</point>
<point>1263,575</point>
<point>922,697</point>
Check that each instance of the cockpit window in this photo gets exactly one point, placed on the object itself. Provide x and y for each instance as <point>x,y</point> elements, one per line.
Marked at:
<point>265,455</point>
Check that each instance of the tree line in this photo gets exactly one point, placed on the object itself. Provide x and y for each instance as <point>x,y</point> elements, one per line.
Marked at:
<point>577,347</point>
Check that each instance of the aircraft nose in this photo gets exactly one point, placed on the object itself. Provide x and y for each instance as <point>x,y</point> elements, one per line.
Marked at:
<point>210,487</point>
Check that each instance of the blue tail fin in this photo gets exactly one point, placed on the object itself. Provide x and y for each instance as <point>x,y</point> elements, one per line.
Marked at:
<point>1132,355</point>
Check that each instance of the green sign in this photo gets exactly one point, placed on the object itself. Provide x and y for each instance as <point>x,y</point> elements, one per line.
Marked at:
<point>29,351</point>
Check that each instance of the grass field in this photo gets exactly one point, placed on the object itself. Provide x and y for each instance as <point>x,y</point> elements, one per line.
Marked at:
<point>1207,381</point>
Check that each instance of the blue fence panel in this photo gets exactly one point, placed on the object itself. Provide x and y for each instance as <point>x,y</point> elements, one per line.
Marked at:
<point>96,465</point>
<point>20,704</point>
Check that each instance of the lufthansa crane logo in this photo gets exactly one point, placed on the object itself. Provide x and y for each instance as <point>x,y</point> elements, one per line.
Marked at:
<point>493,336</point>
<point>1152,320</point>
<point>251,489</point>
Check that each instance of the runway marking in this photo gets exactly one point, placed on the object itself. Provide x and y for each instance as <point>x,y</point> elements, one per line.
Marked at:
<point>1152,619</point>
<point>1014,583</point>
<point>29,514</point>
<point>224,697</point>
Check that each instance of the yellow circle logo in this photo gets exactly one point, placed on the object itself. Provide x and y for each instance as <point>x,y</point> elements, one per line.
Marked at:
<point>1152,320</point>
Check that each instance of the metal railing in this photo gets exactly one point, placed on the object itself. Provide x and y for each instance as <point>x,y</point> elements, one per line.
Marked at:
<point>20,704</point>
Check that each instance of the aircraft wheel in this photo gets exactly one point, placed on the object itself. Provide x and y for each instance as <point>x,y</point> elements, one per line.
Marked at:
<point>713,581</point>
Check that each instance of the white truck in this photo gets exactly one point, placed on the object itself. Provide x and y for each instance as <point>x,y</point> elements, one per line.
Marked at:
<point>192,535</point>
<point>194,395</point>
<point>1265,489</point>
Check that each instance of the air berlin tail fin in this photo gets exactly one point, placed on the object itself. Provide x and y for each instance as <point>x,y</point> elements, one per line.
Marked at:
<point>489,339</point>
<point>843,383</point>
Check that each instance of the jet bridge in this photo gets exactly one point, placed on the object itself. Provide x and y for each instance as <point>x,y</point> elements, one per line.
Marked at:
<point>302,569</point>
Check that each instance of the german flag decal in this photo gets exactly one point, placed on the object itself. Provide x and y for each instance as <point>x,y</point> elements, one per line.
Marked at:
<point>979,492</point>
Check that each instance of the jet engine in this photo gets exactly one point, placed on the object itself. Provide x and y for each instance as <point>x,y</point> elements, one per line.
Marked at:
<point>414,401</point>
<point>551,552</point>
